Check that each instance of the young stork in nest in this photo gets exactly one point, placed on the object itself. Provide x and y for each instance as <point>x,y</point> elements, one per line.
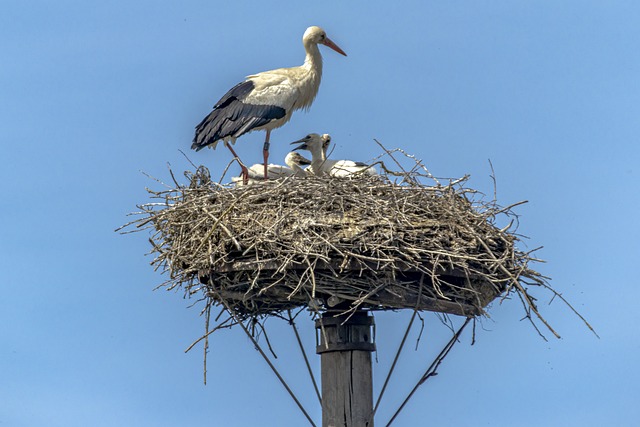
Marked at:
<point>318,146</point>
<point>294,161</point>
<point>265,101</point>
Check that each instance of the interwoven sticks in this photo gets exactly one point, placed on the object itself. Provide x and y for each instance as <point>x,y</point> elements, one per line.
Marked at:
<point>327,242</point>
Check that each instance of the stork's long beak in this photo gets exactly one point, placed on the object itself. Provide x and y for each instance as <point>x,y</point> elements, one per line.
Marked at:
<point>304,161</point>
<point>302,146</point>
<point>327,42</point>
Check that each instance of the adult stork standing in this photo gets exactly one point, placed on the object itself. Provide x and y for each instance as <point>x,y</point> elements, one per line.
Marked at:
<point>265,101</point>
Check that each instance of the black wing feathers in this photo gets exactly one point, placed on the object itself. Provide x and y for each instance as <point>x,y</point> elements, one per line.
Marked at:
<point>231,117</point>
<point>239,92</point>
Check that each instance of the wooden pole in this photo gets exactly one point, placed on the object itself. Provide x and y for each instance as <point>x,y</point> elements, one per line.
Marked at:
<point>345,345</point>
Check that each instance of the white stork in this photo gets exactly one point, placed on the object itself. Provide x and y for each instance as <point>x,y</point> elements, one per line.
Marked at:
<point>318,146</point>
<point>265,101</point>
<point>293,160</point>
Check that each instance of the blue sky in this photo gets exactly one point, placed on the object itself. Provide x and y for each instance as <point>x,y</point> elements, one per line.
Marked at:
<point>91,94</point>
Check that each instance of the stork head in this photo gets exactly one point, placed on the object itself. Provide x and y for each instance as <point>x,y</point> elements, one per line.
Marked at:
<point>317,35</point>
<point>295,158</point>
<point>312,143</point>
<point>326,142</point>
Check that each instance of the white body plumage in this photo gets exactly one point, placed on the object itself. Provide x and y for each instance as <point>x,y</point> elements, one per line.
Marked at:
<point>266,100</point>
<point>294,161</point>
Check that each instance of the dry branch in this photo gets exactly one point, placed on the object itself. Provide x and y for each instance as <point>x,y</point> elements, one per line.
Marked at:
<point>324,243</point>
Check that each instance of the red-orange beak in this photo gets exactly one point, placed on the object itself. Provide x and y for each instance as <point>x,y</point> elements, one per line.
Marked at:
<point>327,42</point>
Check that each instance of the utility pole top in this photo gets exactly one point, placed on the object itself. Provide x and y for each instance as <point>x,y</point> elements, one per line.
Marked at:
<point>345,343</point>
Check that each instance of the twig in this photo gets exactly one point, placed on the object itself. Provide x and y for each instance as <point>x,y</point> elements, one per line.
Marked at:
<point>431,370</point>
<point>304,355</point>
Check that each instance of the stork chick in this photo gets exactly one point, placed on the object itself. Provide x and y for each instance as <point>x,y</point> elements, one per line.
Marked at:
<point>318,146</point>
<point>295,161</point>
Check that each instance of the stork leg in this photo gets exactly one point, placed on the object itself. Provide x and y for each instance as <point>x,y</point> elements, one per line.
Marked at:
<point>245,171</point>
<point>265,152</point>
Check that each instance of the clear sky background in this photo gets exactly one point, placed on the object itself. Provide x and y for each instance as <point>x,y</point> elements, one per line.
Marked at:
<point>93,93</point>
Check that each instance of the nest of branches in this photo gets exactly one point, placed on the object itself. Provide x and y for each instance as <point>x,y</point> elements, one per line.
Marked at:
<point>369,242</point>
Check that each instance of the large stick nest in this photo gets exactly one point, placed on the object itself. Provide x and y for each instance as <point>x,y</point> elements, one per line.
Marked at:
<point>381,242</point>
